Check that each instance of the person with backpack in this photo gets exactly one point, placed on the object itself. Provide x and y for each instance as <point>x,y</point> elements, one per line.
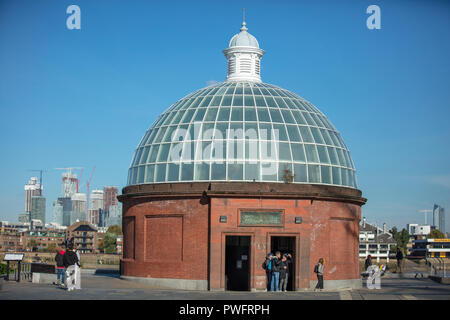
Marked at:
<point>399,257</point>
<point>319,269</point>
<point>267,265</point>
<point>61,272</point>
<point>276,265</point>
<point>368,262</point>
<point>71,263</point>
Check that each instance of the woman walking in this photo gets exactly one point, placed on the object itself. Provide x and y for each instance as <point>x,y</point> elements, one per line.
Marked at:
<point>319,269</point>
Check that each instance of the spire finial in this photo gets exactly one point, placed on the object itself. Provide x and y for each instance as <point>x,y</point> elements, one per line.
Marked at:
<point>243,28</point>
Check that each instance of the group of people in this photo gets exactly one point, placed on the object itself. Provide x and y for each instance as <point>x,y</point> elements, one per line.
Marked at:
<point>68,268</point>
<point>278,268</point>
<point>277,271</point>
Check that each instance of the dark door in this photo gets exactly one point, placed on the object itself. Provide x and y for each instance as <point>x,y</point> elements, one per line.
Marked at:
<point>285,245</point>
<point>237,263</point>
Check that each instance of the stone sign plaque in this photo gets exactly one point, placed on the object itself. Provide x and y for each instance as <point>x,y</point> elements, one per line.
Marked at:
<point>261,218</point>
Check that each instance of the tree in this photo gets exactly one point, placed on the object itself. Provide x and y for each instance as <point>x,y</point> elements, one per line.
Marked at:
<point>436,234</point>
<point>401,237</point>
<point>115,229</point>
<point>109,243</point>
<point>32,244</point>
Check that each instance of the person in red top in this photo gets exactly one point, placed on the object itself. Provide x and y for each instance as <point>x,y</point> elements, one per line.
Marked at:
<point>59,258</point>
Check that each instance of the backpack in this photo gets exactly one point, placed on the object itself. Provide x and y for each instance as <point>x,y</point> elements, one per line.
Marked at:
<point>264,265</point>
<point>316,269</point>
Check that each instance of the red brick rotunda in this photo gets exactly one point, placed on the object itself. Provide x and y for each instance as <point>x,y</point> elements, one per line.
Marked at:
<point>232,172</point>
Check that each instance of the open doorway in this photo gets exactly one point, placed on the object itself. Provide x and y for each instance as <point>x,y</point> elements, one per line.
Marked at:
<point>237,263</point>
<point>285,245</point>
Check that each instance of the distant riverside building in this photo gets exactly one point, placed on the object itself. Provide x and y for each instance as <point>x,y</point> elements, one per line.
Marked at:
<point>439,218</point>
<point>415,229</point>
<point>84,235</point>
<point>33,188</point>
<point>24,217</point>
<point>110,194</point>
<point>10,239</point>
<point>96,199</point>
<point>375,241</point>
<point>38,208</point>
<point>79,203</point>
<point>66,204</point>
<point>114,216</point>
<point>93,216</point>
<point>42,239</point>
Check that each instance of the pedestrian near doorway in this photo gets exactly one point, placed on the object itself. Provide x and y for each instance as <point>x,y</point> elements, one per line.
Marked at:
<point>284,271</point>
<point>267,265</point>
<point>276,265</point>
<point>319,270</point>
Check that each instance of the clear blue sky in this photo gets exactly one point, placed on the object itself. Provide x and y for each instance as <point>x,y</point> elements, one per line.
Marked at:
<point>86,97</point>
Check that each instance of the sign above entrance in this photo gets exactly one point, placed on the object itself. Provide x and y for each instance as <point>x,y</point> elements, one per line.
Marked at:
<point>261,218</point>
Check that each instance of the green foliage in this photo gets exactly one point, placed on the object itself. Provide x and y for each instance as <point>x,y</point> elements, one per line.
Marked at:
<point>109,243</point>
<point>3,268</point>
<point>401,237</point>
<point>50,248</point>
<point>115,229</point>
<point>288,177</point>
<point>436,234</point>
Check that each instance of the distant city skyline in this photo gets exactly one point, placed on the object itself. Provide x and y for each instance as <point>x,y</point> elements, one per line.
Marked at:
<point>85,97</point>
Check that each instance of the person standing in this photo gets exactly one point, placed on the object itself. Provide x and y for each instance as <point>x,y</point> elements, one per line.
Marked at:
<point>61,272</point>
<point>319,270</point>
<point>284,271</point>
<point>276,262</point>
<point>268,267</point>
<point>399,257</point>
<point>368,262</point>
<point>70,263</point>
<point>78,271</point>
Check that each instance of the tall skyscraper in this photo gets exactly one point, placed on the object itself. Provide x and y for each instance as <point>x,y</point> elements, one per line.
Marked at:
<point>114,216</point>
<point>58,212</point>
<point>69,184</point>
<point>96,199</point>
<point>79,203</point>
<point>110,194</point>
<point>33,188</point>
<point>38,208</point>
<point>439,218</point>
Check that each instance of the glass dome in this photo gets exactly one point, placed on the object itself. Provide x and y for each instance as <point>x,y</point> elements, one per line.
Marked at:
<point>242,131</point>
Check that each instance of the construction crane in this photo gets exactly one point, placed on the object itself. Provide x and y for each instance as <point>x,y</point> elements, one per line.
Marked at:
<point>40,176</point>
<point>425,211</point>
<point>88,183</point>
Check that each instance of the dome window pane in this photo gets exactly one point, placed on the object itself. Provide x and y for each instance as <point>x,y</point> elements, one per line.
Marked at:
<point>317,136</point>
<point>300,173</point>
<point>251,130</point>
<point>187,171</point>
<point>235,171</point>
<point>259,100</point>
<point>293,133</point>
<point>263,115</point>
<point>297,152</point>
<point>224,114</point>
<point>311,153</point>
<point>216,100</point>
<point>199,114</point>
<point>163,152</point>
<point>323,155</point>
<point>284,152</point>
<point>149,173</point>
<point>206,101</point>
<point>276,115</point>
<point>313,174</point>
<point>252,150</point>
<point>160,173</point>
<point>250,114</point>
<point>306,134</point>
<point>281,103</point>
<point>221,130</point>
<point>218,171</point>
<point>326,174</point>
<point>282,135</point>
<point>248,101</point>
<point>160,135</point>
<point>202,171</point>
<point>211,114</point>
<point>227,100</point>
<point>238,89</point>
<point>298,117</point>
<point>333,155</point>
<point>153,153</point>
<point>269,171</point>
<point>173,172</point>
<point>238,100</point>
<point>237,114</point>
<point>336,175</point>
<point>271,102</point>
<point>252,171</point>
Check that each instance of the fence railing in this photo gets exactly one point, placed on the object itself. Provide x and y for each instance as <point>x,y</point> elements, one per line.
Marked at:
<point>438,267</point>
<point>18,272</point>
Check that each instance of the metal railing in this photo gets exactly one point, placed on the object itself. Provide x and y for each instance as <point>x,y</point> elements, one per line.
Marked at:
<point>438,267</point>
<point>20,271</point>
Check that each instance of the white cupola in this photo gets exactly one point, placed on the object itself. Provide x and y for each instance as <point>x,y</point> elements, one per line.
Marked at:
<point>243,56</point>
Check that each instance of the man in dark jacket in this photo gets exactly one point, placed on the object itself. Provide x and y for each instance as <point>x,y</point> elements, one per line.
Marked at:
<point>59,258</point>
<point>276,262</point>
<point>368,262</point>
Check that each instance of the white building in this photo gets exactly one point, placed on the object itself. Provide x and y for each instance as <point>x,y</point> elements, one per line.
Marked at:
<point>375,241</point>
<point>415,229</point>
<point>33,188</point>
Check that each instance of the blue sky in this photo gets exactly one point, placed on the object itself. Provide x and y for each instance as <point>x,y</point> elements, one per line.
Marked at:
<point>86,97</point>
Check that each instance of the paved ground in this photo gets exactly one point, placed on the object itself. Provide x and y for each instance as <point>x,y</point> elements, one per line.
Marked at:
<point>110,287</point>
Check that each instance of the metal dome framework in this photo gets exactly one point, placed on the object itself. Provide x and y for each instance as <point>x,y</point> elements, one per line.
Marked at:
<point>308,145</point>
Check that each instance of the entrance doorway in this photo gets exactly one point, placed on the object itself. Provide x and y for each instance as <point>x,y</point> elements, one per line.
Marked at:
<point>237,263</point>
<point>285,245</point>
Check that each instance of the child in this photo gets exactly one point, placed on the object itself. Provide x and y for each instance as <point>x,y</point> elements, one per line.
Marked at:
<point>284,272</point>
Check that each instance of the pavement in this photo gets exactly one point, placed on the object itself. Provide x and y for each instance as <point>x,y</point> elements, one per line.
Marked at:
<point>108,286</point>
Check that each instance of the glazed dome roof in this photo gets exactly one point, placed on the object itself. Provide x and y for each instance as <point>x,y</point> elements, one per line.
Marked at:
<point>242,131</point>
